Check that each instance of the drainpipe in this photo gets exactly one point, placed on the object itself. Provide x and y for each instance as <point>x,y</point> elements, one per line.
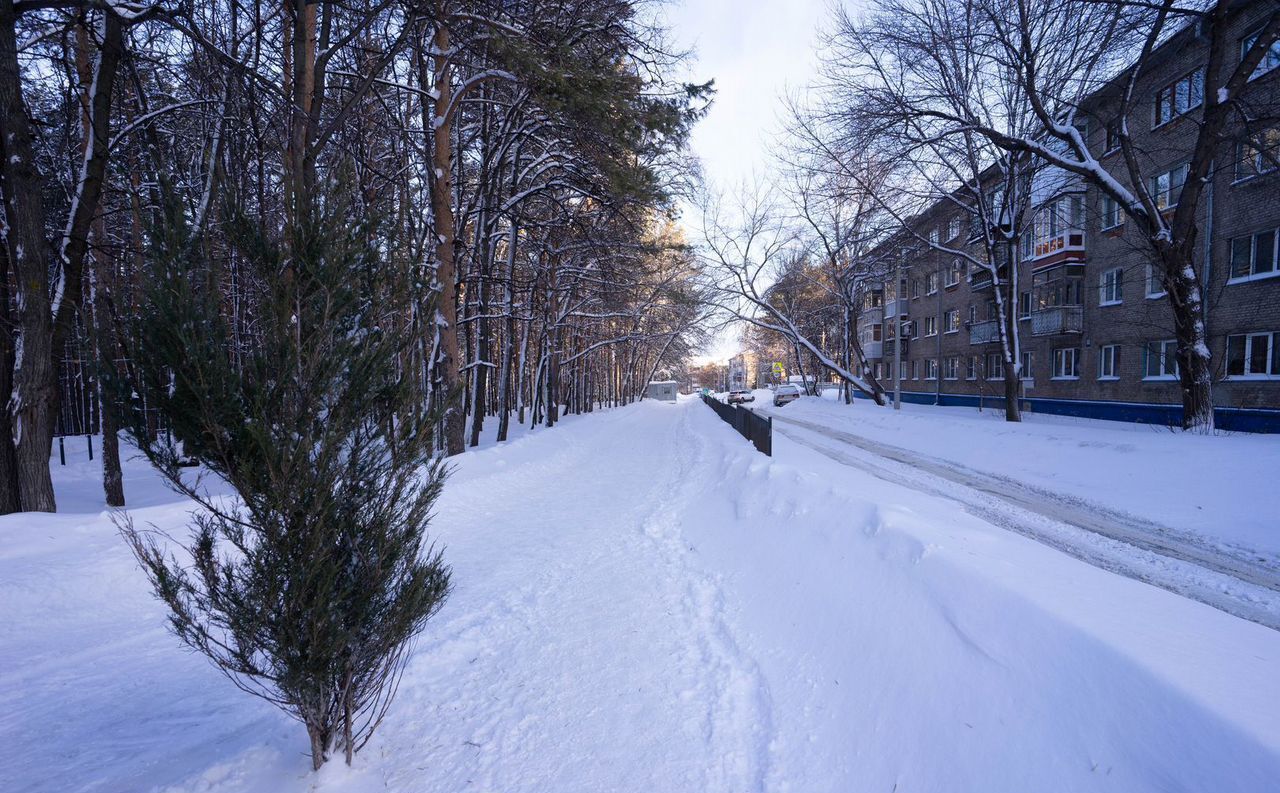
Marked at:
<point>897,334</point>
<point>937,382</point>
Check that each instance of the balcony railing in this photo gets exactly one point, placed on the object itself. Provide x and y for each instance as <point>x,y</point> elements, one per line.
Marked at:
<point>1059,319</point>
<point>887,348</point>
<point>984,332</point>
<point>873,350</point>
<point>898,306</point>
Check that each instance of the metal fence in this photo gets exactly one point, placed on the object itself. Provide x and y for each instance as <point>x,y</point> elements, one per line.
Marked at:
<point>757,429</point>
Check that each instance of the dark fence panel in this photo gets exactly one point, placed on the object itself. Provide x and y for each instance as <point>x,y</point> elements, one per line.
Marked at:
<point>757,429</point>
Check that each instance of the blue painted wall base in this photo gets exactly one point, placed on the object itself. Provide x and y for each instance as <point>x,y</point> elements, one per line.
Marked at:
<point>1230,419</point>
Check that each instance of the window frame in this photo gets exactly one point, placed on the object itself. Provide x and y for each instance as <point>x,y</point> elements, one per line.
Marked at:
<point>1152,277</point>
<point>1111,287</point>
<point>1112,217</point>
<point>930,368</point>
<point>1269,62</point>
<point>1060,357</point>
<point>951,368</point>
<point>1272,355</point>
<point>1191,82</point>
<point>1259,162</point>
<point>1164,357</point>
<point>1254,273</point>
<point>1109,358</point>
<point>947,325</point>
<point>998,376</point>
<point>1166,194</point>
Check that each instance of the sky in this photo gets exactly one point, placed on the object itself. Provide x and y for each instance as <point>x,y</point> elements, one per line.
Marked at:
<point>754,50</point>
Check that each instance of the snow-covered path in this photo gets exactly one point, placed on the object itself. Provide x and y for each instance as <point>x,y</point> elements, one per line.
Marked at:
<point>643,603</point>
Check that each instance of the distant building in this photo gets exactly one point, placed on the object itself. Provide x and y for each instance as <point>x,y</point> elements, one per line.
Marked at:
<point>744,371</point>
<point>662,390</point>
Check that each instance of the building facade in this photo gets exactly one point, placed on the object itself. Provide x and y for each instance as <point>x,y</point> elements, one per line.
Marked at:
<point>1095,329</point>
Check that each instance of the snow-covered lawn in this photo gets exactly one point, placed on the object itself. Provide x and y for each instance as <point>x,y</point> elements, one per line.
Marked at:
<point>644,603</point>
<point>1221,487</point>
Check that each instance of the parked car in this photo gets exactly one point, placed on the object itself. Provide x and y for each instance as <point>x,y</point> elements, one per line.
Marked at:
<point>787,392</point>
<point>740,395</point>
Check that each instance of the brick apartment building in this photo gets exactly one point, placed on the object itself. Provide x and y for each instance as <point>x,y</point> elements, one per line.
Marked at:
<point>1096,332</point>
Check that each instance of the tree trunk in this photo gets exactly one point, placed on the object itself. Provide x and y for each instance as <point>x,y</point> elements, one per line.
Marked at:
<point>1195,373</point>
<point>8,462</point>
<point>32,406</point>
<point>442,215</point>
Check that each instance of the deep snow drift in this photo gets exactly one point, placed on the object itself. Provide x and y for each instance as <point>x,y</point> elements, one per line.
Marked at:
<point>644,603</point>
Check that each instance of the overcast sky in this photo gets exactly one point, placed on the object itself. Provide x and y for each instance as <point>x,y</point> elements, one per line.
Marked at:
<point>754,50</point>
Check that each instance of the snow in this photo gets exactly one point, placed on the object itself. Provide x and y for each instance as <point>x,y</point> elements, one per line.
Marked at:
<point>1217,487</point>
<point>645,603</point>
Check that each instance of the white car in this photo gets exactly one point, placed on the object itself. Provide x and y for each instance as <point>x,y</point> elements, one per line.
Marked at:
<point>740,395</point>
<point>785,393</point>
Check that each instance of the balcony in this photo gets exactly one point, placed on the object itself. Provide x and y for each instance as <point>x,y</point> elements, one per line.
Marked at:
<point>1064,246</point>
<point>984,332</point>
<point>873,350</point>
<point>1057,320</point>
<point>887,348</point>
<point>899,306</point>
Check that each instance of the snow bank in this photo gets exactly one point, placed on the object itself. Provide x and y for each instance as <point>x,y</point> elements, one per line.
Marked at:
<point>1219,487</point>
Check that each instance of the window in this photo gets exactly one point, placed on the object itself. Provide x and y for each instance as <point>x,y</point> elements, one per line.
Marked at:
<point>1162,360</point>
<point>931,326</point>
<point>951,368</point>
<point>931,369</point>
<point>913,327</point>
<point>1180,97</point>
<point>1110,213</point>
<point>995,366</point>
<point>915,370</point>
<point>1113,136</point>
<point>873,299</point>
<point>1269,61</point>
<point>954,273</point>
<point>915,288</point>
<point>953,228</point>
<point>1109,362</point>
<point>1028,370</point>
<point>951,320</point>
<point>1254,355</point>
<point>1259,155</point>
<point>972,372</point>
<point>879,371</point>
<point>933,236</point>
<point>973,314</point>
<point>931,283</point>
<point>877,332</point>
<point>1024,305</point>
<point>1166,187</point>
<point>1066,364</point>
<point>1254,256</point>
<point>1112,287</point>
<point>1154,287</point>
